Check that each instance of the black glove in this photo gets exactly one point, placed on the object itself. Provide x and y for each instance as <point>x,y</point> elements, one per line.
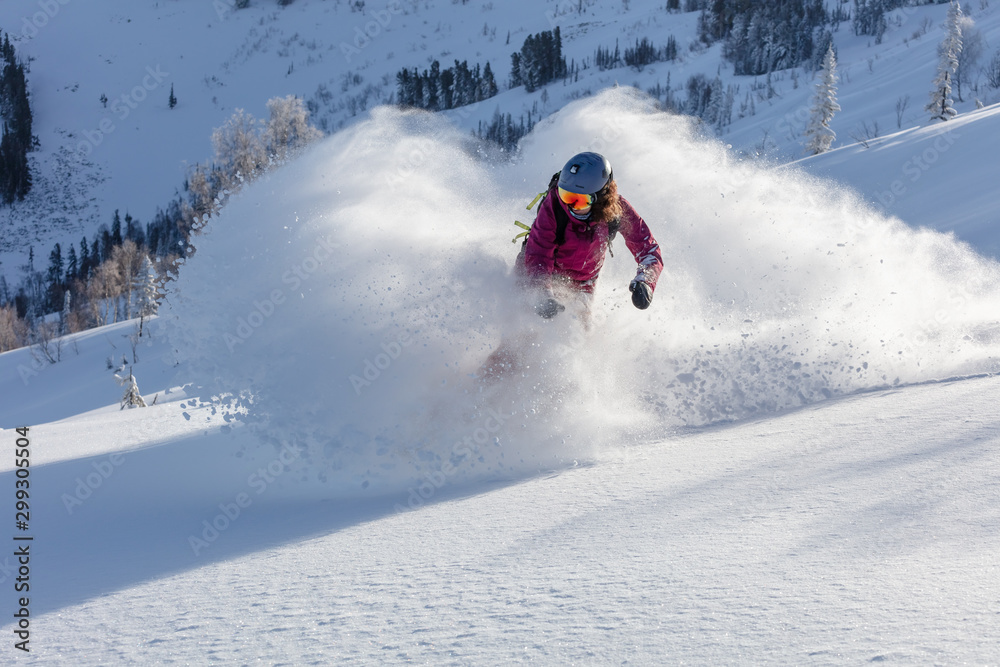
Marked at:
<point>642,294</point>
<point>549,308</point>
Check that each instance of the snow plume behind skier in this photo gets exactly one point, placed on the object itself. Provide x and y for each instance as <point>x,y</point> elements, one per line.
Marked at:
<point>779,290</point>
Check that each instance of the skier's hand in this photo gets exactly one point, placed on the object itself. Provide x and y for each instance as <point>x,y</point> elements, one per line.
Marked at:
<point>549,308</point>
<point>642,293</point>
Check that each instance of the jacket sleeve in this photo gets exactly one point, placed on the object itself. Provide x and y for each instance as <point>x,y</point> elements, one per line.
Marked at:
<point>640,242</point>
<point>540,249</point>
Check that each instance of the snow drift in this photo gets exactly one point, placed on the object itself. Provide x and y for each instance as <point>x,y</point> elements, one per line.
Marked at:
<point>345,302</point>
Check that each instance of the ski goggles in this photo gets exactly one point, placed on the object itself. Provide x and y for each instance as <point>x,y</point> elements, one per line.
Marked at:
<point>576,201</point>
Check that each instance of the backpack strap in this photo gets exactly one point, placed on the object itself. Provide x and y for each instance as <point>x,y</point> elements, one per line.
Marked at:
<point>614,226</point>
<point>561,221</point>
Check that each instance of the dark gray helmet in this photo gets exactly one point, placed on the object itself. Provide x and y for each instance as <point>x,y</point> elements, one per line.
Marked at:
<point>586,174</point>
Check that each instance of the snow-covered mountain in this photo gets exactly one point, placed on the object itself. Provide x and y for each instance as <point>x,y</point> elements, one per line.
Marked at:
<point>132,152</point>
<point>791,457</point>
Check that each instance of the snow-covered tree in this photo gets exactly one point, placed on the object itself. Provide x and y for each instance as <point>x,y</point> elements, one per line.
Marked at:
<point>288,129</point>
<point>244,146</point>
<point>128,260</point>
<point>145,288</point>
<point>973,45</point>
<point>239,148</point>
<point>940,105</point>
<point>200,190</point>
<point>13,331</point>
<point>65,314</point>
<point>825,105</point>
<point>131,398</point>
<point>992,71</point>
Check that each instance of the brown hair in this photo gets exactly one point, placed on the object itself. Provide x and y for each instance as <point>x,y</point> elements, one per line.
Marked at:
<point>608,205</point>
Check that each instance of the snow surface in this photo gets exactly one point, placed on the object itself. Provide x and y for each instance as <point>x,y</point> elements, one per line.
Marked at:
<point>902,173</point>
<point>762,468</point>
<point>857,530</point>
<point>790,458</point>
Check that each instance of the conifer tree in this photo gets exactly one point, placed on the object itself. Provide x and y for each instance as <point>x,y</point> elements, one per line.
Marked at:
<point>516,78</point>
<point>489,84</point>
<point>116,230</point>
<point>940,105</point>
<point>85,260</point>
<point>824,107</point>
<point>404,88</point>
<point>72,264</point>
<point>55,264</point>
<point>145,288</point>
<point>16,140</point>
<point>131,398</point>
<point>431,100</point>
<point>65,313</point>
<point>448,88</point>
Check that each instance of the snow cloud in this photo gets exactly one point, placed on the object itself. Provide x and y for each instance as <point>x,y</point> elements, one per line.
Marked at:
<point>779,290</point>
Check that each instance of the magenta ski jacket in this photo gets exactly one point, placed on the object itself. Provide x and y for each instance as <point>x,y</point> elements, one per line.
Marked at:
<point>581,255</point>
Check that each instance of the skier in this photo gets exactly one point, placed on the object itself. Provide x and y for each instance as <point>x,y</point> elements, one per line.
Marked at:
<point>576,222</point>
<point>562,256</point>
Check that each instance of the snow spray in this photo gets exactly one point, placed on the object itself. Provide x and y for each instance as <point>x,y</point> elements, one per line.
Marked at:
<point>779,290</point>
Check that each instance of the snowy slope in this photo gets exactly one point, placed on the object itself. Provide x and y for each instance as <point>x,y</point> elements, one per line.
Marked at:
<point>863,529</point>
<point>903,174</point>
<point>790,458</point>
<point>763,468</point>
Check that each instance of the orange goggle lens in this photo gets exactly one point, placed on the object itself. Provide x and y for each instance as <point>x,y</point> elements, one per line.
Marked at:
<point>576,201</point>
